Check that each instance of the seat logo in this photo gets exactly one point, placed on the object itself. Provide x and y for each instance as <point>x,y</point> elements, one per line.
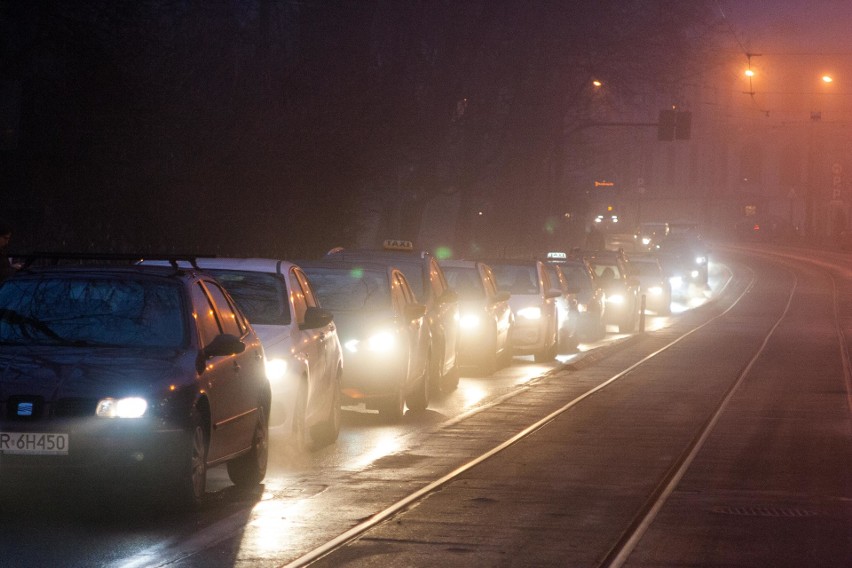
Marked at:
<point>25,409</point>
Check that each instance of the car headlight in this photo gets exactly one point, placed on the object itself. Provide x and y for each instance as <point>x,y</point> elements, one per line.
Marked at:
<point>694,273</point>
<point>700,260</point>
<point>130,407</point>
<point>617,299</point>
<point>379,342</point>
<point>655,290</point>
<point>646,241</point>
<point>276,369</point>
<point>531,313</point>
<point>469,321</point>
<point>676,282</point>
<point>582,308</point>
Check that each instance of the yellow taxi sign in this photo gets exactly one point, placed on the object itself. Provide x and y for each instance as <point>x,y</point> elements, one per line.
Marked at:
<point>393,244</point>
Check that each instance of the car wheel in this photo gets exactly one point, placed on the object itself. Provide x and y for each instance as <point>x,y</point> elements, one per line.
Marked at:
<point>392,407</point>
<point>547,353</point>
<point>327,431</point>
<point>249,469</point>
<point>418,399</point>
<point>489,361</point>
<point>506,356</point>
<point>192,464</point>
<point>299,430</point>
<point>450,381</point>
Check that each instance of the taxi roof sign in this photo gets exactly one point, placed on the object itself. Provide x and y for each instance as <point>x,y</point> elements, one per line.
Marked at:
<point>393,244</point>
<point>557,255</point>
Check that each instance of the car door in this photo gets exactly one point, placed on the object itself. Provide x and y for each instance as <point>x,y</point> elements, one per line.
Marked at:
<point>310,346</point>
<point>402,295</point>
<point>232,402</point>
<point>499,309</point>
<point>447,313</point>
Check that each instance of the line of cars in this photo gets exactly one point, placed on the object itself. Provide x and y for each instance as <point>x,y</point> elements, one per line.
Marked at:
<point>157,369</point>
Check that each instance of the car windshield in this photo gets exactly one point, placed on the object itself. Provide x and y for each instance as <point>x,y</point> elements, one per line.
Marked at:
<point>350,289</point>
<point>465,281</point>
<point>577,277</point>
<point>89,311</point>
<point>605,270</point>
<point>262,296</point>
<point>646,268</point>
<point>516,278</point>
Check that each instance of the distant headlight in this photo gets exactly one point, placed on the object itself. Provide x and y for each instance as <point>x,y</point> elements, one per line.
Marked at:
<point>676,282</point>
<point>582,308</point>
<point>469,321</point>
<point>380,342</point>
<point>276,369</point>
<point>130,407</point>
<point>700,260</point>
<point>655,290</point>
<point>646,241</point>
<point>615,299</point>
<point>694,274</point>
<point>531,313</point>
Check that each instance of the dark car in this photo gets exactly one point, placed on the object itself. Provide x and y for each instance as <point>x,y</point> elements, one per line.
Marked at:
<point>383,330</point>
<point>617,278</point>
<point>685,255</point>
<point>485,317</point>
<point>426,278</point>
<point>137,373</point>
<point>656,286</point>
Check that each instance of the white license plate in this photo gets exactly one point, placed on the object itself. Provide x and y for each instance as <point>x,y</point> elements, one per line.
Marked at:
<point>33,443</point>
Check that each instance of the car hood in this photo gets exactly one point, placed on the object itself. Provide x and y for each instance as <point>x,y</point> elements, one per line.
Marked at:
<point>352,324</point>
<point>55,373</point>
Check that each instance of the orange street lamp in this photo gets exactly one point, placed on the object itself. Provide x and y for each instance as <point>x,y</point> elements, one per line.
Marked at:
<point>827,79</point>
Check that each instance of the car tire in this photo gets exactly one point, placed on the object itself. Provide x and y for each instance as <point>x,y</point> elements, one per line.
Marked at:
<point>299,435</point>
<point>392,407</point>
<point>191,485</point>
<point>547,353</point>
<point>418,399</point>
<point>450,381</point>
<point>249,469</point>
<point>489,361</point>
<point>326,432</point>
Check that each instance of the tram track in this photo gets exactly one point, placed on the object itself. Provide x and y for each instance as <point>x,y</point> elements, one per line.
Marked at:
<point>642,517</point>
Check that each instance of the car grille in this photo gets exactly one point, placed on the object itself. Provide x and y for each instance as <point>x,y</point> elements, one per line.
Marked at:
<point>34,408</point>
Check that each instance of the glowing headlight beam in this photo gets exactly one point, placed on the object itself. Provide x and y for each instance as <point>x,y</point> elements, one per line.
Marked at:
<point>130,407</point>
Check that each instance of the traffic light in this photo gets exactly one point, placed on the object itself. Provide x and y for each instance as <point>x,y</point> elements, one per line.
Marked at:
<point>674,125</point>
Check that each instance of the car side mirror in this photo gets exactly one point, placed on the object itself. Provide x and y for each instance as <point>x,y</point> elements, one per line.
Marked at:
<point>223,345</point>
<point>414,311</point>
<point>315,318</point>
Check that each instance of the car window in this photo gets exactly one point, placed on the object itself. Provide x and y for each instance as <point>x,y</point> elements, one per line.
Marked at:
<point>82,311</point>
<point>227,316</point>
<point>414,274</point>
<point>350,288</point>
<point>516,278</point>
<point>310,298</point>
<point>437,279</point>
<point>465,281</point>
<point>297,296</point>
<point>551,272</point>
<point>261,296</point>
<point>488,281</point>
<point>577,277</point>
<point>606,270</point>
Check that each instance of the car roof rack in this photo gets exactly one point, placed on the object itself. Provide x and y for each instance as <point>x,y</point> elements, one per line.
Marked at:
<point>53,258</point>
